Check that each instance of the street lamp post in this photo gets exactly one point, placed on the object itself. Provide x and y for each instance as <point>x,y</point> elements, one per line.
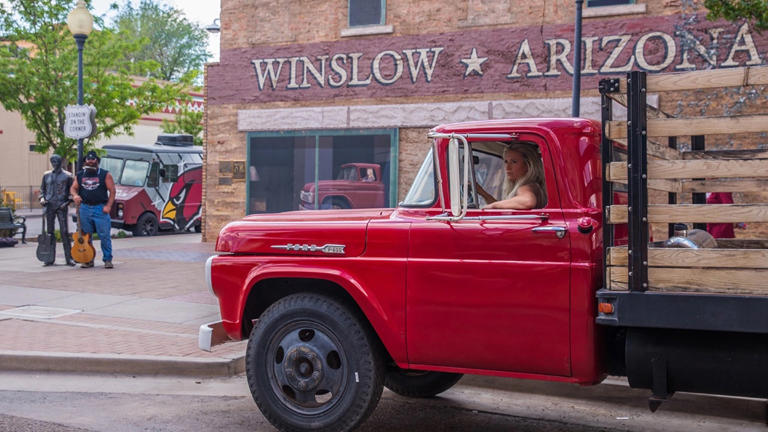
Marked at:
<point>80,23</point>
<point>575,103</point>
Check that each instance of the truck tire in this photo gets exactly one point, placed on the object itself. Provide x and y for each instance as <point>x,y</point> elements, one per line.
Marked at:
<point>145,226</point>
<point>419,384</point>
<point>312,365</point>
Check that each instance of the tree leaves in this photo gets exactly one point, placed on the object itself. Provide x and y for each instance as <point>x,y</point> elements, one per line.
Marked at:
<point>166,37</point>
<point>38,75</point>
<point>735,10</point>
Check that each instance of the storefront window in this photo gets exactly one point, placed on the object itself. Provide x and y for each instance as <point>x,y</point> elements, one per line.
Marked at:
<point>323,170</point>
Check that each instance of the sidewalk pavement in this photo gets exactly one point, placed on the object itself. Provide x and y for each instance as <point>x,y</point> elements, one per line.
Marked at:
<point>142,317</point>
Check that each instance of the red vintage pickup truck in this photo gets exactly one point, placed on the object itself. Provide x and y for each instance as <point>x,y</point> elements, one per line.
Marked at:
<point>347,300</point>
<point>337,304</point>
<point>357,185</point>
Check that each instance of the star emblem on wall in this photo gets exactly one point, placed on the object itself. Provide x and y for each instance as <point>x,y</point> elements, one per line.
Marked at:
<point>473,63</point>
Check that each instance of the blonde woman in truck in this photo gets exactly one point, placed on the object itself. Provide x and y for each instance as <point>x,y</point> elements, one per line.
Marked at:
<point>524,185</point>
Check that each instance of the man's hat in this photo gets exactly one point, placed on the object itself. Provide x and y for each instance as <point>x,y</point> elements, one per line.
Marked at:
<point>92,155</point>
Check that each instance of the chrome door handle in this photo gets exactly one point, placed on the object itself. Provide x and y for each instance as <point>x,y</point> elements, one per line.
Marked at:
<point>558,230</point>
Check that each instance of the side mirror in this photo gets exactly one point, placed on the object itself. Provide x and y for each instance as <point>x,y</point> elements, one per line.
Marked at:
<point>458,183</point>
<point>454,176</point>
<point>162,172</point>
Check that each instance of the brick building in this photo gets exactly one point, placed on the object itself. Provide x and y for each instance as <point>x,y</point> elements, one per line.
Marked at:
<point>304,90</point>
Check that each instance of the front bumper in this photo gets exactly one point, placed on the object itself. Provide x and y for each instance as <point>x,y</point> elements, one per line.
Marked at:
<point>210,335</point>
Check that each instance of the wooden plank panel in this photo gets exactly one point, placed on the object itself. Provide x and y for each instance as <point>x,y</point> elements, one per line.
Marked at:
<point>750,154</point>
<point>616,283</point>
<point>703,168</point>
<point>694,126</point>
<point>743,243</point>
<point>724,185</point>
<point>724,281</point>
<point>621,99</point>
<point>655,149</point>
<point>707,79</point>
<point>673,186</point>
<point>703,213</point>
<point>675,257</point>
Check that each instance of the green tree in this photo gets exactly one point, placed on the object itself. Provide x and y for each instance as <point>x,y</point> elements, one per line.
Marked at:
<point>38,75</point>
<point>166,36</point>
<point>755,11</point>
<point>187,122</point>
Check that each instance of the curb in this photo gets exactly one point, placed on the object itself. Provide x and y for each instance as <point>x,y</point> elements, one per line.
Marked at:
<point>36,361</point>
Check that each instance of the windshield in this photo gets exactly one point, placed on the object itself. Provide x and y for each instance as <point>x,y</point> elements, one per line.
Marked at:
<point>422,191</point>
<point>114,166</point>
<point>134,173</point>
<point>347,173</point>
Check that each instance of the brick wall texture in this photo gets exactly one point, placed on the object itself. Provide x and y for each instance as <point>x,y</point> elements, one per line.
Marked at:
<point>266,30</point>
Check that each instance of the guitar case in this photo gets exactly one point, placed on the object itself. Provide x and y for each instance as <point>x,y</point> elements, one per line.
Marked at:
<point>46,245</point>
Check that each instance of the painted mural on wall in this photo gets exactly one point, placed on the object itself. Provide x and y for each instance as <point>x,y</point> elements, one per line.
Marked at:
<point>504,60</point>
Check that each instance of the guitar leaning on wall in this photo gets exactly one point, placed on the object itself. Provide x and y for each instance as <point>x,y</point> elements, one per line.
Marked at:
<point>82,249</point>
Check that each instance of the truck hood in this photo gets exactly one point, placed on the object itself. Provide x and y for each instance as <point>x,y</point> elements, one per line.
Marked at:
<point>125,193</point>
<point>328,233</point>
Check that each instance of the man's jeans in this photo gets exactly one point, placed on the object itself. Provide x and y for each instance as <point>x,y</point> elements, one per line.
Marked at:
<point>92,218</point>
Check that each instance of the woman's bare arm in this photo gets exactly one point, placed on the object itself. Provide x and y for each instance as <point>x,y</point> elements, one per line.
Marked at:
<point>524,200</point>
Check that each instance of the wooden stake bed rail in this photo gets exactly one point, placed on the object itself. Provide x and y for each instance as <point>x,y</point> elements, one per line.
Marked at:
<point>687,169</point>
<point>735,267</point>
<point>696,280</point>
<point>700,126</point>
<point>704,213</point>
<point>705,79</point>
<point>676,257</point>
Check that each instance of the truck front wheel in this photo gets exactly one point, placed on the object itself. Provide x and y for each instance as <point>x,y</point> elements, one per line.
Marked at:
<point>311,365</point>
<point>419,384</point>
<point>146,225</point>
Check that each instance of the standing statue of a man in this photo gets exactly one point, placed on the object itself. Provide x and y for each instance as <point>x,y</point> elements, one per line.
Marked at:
<point>54,196</point>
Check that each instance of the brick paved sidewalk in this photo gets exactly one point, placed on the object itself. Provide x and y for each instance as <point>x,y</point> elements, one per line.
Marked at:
<point>140,317</point>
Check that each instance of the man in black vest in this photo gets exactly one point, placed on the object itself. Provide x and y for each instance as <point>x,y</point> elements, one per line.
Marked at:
<point>94,191</point>
<point>54,196</point>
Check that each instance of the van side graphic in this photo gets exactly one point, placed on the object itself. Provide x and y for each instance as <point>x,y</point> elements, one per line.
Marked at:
<point>184,204</point>
<point>159,186</point>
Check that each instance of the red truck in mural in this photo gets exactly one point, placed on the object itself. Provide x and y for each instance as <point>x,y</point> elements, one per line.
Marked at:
<point>158,186</point>
<point>357,185</point>
<point>337,304</point>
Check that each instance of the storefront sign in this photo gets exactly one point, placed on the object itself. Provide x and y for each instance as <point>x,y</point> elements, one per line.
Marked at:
<point>506,60</point>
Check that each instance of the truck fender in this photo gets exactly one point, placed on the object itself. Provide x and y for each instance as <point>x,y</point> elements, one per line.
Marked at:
<point>381,322</point>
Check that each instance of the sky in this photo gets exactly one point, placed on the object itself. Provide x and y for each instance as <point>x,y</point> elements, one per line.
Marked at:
<point>201,12</point>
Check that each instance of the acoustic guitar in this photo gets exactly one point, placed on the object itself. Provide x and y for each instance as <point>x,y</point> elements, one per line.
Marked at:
<point>82,249</point>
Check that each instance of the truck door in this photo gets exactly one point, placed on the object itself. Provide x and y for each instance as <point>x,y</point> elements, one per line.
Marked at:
<point>492,294</point>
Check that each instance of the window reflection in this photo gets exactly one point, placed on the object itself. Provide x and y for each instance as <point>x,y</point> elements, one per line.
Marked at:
<point>319,172</point>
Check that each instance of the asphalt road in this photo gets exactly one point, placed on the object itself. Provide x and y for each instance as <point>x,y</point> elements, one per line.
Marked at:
<point>44,402</point>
